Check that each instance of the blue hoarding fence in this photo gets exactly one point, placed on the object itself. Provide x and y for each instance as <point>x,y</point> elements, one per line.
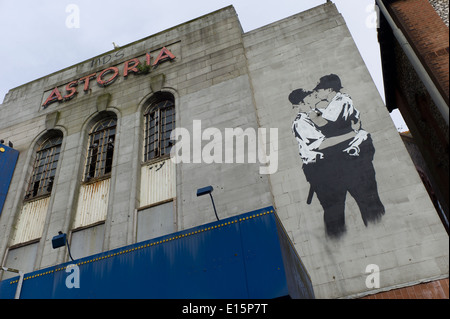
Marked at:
<point>245,256</point>
<point>8,160</point>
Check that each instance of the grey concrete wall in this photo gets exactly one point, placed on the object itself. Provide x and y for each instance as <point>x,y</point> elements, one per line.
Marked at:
<point>409,244</point>
<point>237,187</point>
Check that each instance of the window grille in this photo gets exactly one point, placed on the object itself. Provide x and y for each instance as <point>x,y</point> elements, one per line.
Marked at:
<point>101,150</point>
<point>159,123</point>
<point>44,169</point>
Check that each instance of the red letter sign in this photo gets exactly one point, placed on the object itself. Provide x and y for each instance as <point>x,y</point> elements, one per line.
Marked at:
<point>126,66</point>
<point>163,55</point>
<point>111,79</point>
<point>86,80</point>
<point>53,97</point>
<point>71,90</point>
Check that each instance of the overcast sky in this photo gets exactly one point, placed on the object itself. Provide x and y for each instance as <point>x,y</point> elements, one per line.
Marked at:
<point>35,39</point>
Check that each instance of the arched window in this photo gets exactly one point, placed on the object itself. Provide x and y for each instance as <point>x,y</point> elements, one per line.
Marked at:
<point>156,213</point>
<point>44,168</point>
<point>159,123</point>
<point>101,149</point>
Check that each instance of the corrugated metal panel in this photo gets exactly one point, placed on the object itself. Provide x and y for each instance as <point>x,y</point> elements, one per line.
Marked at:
<point>92,203</point>
<point>31,221</point>
<point>158,182</point>
<point>8,160</point>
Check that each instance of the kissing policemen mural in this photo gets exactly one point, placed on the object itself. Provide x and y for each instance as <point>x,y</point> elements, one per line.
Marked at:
<point>336,152</point>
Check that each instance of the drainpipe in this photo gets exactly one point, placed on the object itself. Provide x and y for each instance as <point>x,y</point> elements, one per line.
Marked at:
<point>421,72</point>
<point>19,285</point>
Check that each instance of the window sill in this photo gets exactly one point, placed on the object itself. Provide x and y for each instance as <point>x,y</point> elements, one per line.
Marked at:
<point>36,198</point>
<point>156,160</point>
<point>96,179</point>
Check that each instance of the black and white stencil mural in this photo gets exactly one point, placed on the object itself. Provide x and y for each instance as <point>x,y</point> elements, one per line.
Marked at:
<point>336,152</point>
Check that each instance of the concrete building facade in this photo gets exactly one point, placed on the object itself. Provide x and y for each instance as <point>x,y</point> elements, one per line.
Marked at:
<point>362,222</point>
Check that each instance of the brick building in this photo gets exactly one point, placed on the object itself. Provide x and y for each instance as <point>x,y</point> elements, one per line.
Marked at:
<point>414,42</point>
<point>96,162</point>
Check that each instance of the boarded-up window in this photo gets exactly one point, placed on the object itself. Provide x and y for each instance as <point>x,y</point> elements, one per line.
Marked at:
<point>159,123</point>
<point>155,221</point>
<point>21,258</point>
<point>158,182</point>
<point>88,241</point>
<point>101,150</point>
<point>44,168</point>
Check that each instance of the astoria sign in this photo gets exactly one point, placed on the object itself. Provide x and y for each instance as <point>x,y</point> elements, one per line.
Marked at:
<point>107,76</point>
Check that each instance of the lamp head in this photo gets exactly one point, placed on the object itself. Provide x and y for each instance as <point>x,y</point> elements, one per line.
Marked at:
<point>204,190</point>
<point>59,240</point>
